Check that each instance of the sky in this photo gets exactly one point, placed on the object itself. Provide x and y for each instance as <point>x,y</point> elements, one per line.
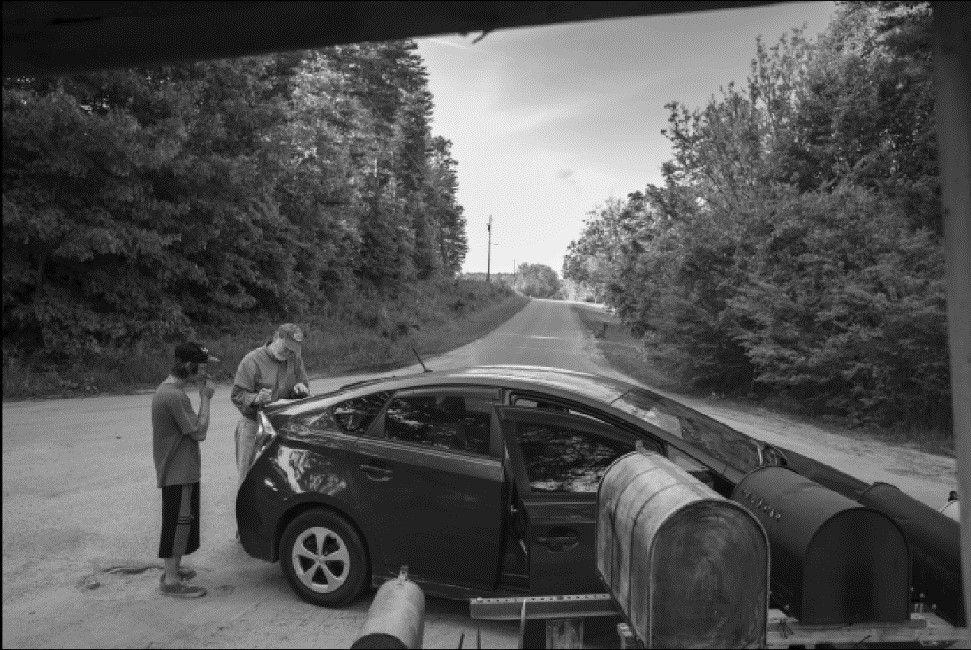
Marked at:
<point>547,123</point>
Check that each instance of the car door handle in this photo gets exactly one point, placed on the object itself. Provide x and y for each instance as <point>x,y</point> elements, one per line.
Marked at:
<point>559,542</point>
<point>376,473</point>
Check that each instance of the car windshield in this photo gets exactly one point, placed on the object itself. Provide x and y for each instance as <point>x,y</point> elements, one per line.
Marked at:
<point>731,447</point>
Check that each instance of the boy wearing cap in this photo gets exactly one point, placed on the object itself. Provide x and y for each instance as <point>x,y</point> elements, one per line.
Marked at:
<point>176,433</point>
<point>268,373</point>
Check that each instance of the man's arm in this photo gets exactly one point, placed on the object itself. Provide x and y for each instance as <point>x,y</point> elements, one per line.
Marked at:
<point>301,387</point>
<point>244,394</point>
<point>302,373</point>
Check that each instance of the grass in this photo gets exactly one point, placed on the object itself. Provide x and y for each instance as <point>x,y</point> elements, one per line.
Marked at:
<point>369,334</point>
<point>626,354</point>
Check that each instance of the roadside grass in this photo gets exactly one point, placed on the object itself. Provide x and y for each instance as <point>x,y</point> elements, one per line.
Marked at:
<point>370,333</point>
<point>626,354</point>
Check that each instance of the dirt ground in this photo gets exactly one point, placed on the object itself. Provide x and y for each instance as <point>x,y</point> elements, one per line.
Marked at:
<point>80,515</point>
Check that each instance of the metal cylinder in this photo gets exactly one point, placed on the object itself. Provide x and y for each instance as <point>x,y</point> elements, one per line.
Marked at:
<point>935,545</point>
<point>396,618</point>
<point>687,567</point>
<point>834,561</point>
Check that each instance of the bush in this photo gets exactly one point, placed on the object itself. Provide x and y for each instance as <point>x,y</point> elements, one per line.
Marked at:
<point>368,333</point>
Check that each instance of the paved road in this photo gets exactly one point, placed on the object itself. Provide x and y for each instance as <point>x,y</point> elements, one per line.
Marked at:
<point>80,511</point>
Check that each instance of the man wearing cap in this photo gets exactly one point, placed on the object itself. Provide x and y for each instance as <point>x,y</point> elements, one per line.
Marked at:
<point>176,433</point>
<point>268,373</point>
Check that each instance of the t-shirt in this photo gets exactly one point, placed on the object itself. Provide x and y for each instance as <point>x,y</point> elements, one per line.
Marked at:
<point>259,369</point>
<point>177,456</point>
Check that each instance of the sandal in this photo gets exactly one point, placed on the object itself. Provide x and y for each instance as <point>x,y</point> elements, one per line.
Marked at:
<point>182,590</point>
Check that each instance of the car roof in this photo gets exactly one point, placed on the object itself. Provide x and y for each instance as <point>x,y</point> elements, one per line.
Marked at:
<point>582,384</point>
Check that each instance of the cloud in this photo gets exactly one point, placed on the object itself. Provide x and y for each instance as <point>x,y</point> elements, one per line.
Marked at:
<point>520,122</point>
<point>564,173</point>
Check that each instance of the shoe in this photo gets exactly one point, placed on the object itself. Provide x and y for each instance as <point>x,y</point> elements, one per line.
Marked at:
<point>185,573</point>
<point>182,590</point>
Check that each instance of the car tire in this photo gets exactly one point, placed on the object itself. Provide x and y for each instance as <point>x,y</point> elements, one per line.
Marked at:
<point>323,558</point>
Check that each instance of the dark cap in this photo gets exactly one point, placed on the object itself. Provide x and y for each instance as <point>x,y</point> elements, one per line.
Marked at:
<point>193,353</point>
<point>291,335</point>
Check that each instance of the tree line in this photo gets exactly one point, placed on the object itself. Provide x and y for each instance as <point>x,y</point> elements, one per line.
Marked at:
<point>533,280</point>
<point>795,244</point>
<point>140,204</point>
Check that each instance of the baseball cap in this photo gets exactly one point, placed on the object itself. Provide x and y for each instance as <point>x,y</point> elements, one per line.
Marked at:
<point>193,352</point>
<point>291,335</point>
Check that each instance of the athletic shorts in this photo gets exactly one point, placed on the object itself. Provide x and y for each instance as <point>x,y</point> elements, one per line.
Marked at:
<point>171,503</point>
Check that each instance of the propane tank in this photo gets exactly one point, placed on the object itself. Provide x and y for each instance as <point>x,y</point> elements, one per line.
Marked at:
<point>396,618</point>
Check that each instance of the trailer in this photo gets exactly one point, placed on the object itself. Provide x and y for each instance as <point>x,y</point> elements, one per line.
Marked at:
<point>686,567</point>
<point>564,615</point>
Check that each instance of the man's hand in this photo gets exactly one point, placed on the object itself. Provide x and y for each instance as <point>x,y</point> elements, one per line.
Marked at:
<point>265,397</point>
<point>206,389</point>
<point>301,390</point>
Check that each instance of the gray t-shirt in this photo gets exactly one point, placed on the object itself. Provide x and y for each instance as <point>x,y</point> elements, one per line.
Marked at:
<point>175,437</point>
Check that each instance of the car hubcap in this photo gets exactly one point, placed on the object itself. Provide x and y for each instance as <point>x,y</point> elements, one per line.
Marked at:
<point>320,559</point>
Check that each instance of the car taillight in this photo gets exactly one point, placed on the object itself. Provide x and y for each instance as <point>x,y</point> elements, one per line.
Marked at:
<point>265,433</point>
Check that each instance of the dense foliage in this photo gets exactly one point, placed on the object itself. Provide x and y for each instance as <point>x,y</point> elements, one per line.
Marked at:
<point>533,280</point>
<point>795,244</point>
<point>139,205</point>
<point>537,281</point>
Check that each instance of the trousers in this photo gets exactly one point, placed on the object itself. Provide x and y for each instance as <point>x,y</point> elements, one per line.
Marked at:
<point>245,445</point>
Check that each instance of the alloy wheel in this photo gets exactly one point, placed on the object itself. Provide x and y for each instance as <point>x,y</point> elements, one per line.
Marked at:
<point>320,559</point>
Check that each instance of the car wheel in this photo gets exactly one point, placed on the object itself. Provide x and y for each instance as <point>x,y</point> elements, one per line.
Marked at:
<point>323,558</point>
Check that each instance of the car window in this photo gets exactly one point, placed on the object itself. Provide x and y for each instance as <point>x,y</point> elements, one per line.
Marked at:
<point>736,449</point>
<point>564,459</point>
<point>691,466</point>
<point>453,422</point>
<point>355,415</point>
<point>530,401</point>
<point>307,424</point>
<point>652,411</point>
<point>724,443</point>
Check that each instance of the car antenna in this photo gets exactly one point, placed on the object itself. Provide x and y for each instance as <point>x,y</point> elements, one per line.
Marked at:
<point>423,366</point>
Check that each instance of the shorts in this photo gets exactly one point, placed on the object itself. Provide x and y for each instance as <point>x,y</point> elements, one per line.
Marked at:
<point>171,503</point>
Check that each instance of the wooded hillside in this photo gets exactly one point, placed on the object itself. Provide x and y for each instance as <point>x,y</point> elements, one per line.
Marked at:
<point>794,246</point>
<point>139,205</point>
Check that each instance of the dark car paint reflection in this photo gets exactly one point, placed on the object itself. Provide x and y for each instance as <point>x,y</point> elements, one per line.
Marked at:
<point>304,471</point>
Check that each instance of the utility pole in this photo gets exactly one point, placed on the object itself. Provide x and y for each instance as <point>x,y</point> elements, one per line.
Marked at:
<point>489,251</point>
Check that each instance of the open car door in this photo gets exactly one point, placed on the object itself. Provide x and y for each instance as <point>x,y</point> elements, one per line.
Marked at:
<point>557,461</point>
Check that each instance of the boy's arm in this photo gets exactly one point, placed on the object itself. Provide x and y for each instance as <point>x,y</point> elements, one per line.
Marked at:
<point>189,423</point>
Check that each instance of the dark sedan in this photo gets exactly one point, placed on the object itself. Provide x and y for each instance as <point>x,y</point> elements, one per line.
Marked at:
<point>482,481</point>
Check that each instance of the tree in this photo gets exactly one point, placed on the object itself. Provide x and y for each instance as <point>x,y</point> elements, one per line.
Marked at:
<point>794,245</point>
<point>537,281</point>
<point>139,204</point>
